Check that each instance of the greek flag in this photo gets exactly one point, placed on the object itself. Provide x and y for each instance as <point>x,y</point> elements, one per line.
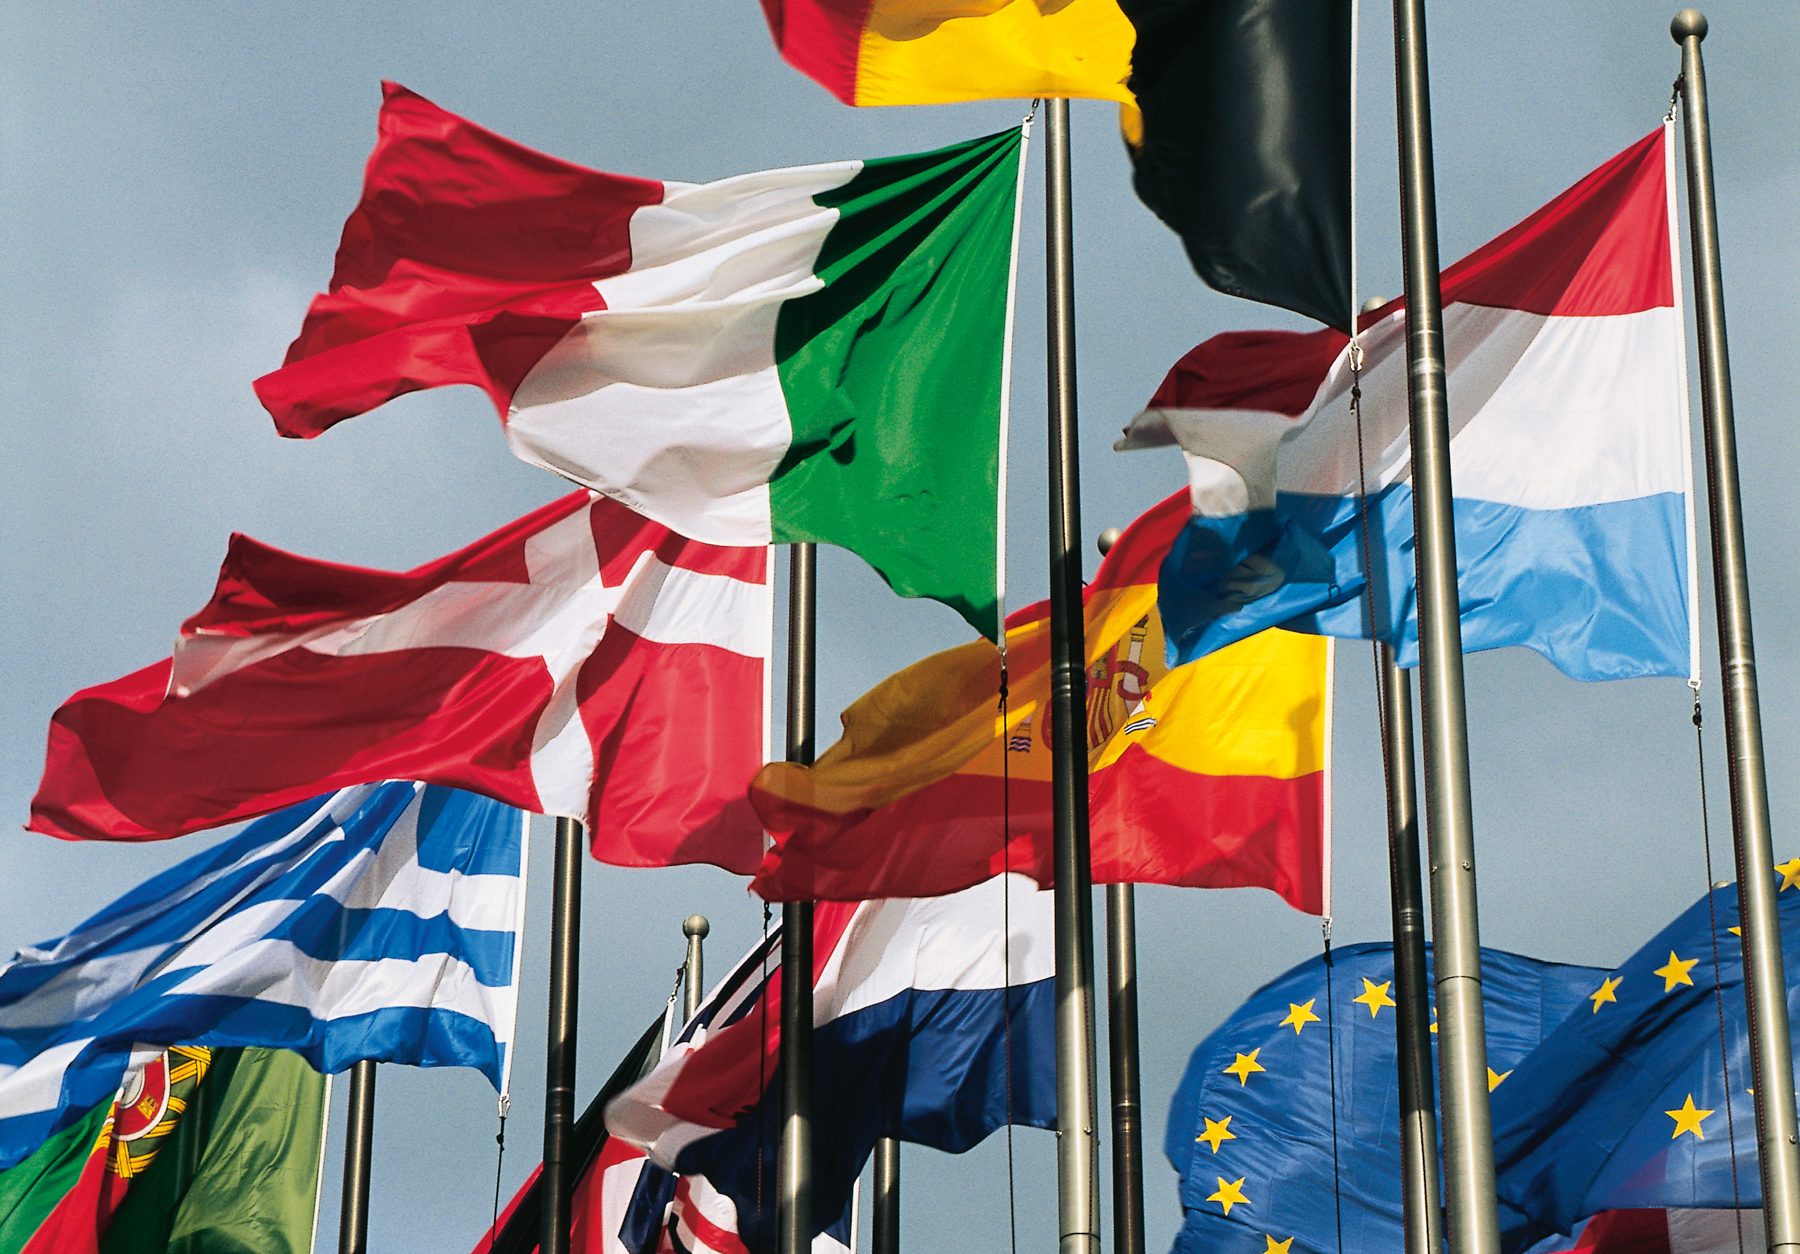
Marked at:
<point>380,921</point>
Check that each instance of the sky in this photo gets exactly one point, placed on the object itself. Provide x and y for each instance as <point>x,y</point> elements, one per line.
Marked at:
<point>173,179</point>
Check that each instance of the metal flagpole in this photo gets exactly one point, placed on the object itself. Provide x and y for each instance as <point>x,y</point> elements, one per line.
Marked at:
<point>359,1133</point>
<point>1473,1225</point>
<point>1122,1028</point>
<point>794,1168</point>
<point>1122,1042</point>
<point>1418,1114</point>
<point>1765,984</point>
<point>694,927</point>
<point>1077,1143</point>
<point>885,1238</point>
<point>1420,1193</point>
<point>559,1053</point>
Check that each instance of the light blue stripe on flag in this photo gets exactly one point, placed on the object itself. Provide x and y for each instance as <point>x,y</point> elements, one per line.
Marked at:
<point>378,922</point>
<point>1598,590</point>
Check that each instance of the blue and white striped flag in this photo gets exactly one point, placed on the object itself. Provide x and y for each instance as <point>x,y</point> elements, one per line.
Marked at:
<point>380,921</point>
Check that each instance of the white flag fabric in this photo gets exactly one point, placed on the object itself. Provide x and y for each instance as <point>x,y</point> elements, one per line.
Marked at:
<point>378,922</point>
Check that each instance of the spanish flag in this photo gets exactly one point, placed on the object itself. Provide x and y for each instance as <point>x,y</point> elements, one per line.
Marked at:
<point>1210,775</point>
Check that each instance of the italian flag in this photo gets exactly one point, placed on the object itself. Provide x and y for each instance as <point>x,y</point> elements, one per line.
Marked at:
<point>808,354</point>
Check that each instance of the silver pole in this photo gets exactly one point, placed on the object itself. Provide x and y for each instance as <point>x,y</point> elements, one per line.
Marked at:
<point>1765,986</point>
<point>359,1133</point>
<point>1122,1028</point>
<point>559,1055</point>
<point>886,1235</point>
<point>1418,1114</point>
<point>1473,1225</point>
<point>794,1195</point>
<point>1077,1144</point>
<point>693,978</point>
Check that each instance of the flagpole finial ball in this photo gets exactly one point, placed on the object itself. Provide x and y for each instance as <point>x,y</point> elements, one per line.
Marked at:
<point>1107,539</point>
<point>695,925</point>
<point>1371,305</point>
<point>1688,22</point>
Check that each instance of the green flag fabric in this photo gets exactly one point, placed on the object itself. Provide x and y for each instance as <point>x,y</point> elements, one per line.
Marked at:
<point>31,1190</point>
<point>894,375</point>
<point>241,1172</point>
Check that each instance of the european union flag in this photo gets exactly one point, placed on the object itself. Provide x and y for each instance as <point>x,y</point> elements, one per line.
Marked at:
<point>1632,1102</point>
<point>1252,1126</point>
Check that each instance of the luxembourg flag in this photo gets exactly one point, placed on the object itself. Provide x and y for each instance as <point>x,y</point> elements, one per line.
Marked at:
<point>1570,453</point>
<point>932,1022</point>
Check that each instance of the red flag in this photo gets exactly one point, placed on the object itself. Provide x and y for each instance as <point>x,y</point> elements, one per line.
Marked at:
<point>1671,1232</point>
<point>582,661</point>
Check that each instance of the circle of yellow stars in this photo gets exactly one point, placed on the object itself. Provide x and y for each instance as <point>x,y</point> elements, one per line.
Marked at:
<point>1230,1193</point>
<point>1676,973</point>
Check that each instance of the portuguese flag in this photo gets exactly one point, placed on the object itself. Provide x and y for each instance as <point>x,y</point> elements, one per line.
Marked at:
<point>807,354</point>
<point>1211,775</point>
<point>214,1150</point>
<point>54,1200</point>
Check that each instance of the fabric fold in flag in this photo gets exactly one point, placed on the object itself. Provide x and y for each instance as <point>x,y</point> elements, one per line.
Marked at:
<point>200,1150</point>
<point>1251,1125</point>
<point>1240,143</point>
<point>1629,1103</point>
<point>581,661</point>
<point>240,1171</point>
<point>932,1022</point>
<point>807,354</point>
<point>380,922</point>
<point>1672,1231</point>
<point>56,1200</point>
<point>1569,453</point>
<point>1212,775</point>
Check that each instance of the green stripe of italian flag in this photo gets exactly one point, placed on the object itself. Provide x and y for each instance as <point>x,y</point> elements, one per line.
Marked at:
<point>810,354</point>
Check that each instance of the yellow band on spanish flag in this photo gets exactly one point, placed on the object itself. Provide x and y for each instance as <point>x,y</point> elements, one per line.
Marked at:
<point>1209,775</point>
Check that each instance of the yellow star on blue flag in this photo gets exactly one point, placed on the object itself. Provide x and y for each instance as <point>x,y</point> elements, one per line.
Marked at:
<point>1374,996</point>
<point>1250,1129</point>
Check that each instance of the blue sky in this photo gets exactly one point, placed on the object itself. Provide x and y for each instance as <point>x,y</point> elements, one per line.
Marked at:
<point>173,178</point>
